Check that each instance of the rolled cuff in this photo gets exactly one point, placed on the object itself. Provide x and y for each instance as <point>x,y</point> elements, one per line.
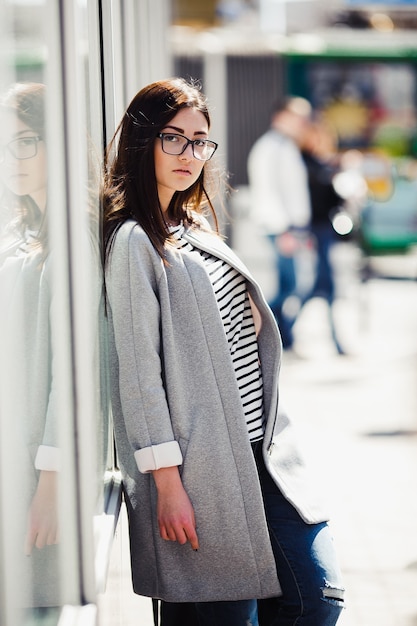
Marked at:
<point>48,459</point>
<point>154,457</point>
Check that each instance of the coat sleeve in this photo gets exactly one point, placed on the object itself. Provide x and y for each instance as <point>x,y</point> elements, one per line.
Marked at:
<point>134,279</point>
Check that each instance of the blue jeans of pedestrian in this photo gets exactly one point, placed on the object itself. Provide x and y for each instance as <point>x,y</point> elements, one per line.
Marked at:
<point>288,299</point>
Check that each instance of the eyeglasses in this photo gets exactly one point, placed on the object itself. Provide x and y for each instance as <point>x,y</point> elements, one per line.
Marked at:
<point>172,143</point>
<point>21,148</point>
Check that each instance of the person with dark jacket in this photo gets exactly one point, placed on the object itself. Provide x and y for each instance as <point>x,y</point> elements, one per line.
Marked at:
<point>318,153</point>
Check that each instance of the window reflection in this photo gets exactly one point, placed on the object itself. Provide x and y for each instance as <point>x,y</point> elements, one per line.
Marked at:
<point>25,321</point>
<point>56,444</point>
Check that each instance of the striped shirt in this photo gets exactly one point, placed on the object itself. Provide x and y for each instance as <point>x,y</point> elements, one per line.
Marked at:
<point>232,298</point>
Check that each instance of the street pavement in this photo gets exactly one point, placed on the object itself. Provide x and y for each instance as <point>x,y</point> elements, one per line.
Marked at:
<point>356,416</point>
<point>357,419</point>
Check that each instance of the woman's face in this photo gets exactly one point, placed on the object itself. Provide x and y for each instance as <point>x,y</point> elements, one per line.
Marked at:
<point>179,172</point>
<point>22,176</point>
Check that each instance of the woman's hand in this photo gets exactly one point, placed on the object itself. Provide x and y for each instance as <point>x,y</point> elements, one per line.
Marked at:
<point>42,527</point>
<point>175,512</point>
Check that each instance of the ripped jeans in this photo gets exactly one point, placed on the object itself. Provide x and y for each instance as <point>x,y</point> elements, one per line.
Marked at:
<point>306,563</point>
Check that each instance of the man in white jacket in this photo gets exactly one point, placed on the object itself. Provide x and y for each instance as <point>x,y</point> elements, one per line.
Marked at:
<point>280,203</point>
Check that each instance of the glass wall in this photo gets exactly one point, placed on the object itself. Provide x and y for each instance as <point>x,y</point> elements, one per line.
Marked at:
<point>55,441</point>
<point>67,70</point>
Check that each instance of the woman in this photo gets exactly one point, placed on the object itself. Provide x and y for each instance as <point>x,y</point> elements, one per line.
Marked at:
<point>194,360</point>
<point>26,389</point>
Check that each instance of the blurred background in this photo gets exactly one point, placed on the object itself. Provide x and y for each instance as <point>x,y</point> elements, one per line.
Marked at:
<point>356,409</point>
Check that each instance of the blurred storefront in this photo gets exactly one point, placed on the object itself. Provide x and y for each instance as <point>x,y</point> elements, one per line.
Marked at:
<point>357,65</point>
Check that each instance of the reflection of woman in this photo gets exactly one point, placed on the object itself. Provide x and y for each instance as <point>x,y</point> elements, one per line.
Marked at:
<point>23,162</point>
<point>209,463</point>
<point>25,323</point>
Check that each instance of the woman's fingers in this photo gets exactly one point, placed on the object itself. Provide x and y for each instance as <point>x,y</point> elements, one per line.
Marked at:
<point>181,533</point>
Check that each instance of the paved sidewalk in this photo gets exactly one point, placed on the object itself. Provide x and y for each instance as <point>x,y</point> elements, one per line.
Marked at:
<point>357,418</point>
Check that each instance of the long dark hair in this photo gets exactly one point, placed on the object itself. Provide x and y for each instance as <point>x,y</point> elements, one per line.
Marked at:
<point>130,187</point>
<point>27,102</point>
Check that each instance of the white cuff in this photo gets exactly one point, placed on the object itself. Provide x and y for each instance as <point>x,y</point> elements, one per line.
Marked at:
<point>48,458</point>
<point>154,457</point>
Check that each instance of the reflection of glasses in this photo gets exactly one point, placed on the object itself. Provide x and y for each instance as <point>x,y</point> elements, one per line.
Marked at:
<point>21,148</point>
<point>203,149</point>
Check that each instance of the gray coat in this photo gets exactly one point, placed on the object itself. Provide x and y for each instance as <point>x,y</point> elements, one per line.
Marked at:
<point>173,380</point>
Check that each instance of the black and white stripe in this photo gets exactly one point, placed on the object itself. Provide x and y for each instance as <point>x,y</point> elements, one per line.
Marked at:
<point>233,301</point>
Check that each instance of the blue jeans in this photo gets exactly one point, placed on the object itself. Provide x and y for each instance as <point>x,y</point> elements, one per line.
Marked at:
<point>239,613</point>
<point>312,592</point>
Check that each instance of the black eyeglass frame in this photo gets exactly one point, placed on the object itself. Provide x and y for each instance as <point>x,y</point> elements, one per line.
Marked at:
<point>191,142</point>
<point>35,139</point>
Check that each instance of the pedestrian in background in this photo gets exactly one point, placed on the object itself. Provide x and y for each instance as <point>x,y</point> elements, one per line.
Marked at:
<point>280,204</point>
<point>320,157</point>
<point>222,510</point>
